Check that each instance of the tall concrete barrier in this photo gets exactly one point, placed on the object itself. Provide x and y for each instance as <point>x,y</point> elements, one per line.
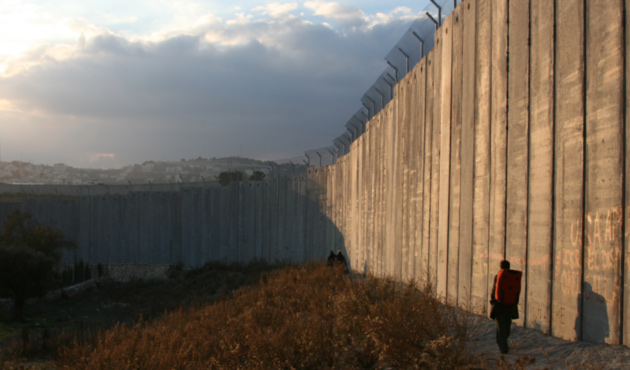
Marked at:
<point>455,186</point>
<point>481,157</point>
<point>498,130</point>
<point>541,174</point>
<point>603,208</point>
<point>568,190</point>
<point>508,140</point>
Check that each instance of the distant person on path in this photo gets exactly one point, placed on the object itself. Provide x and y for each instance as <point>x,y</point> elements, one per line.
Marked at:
<point>341,260</point>
<point>506,292</point>
<point>330,260</point>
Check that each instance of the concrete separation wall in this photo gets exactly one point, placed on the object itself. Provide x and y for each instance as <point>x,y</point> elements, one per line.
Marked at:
<point>508,140</point>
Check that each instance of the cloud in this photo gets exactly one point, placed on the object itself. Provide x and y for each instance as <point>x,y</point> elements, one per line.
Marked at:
<point>277,10</point>
<point>250,86</point>
<point>347,16</point>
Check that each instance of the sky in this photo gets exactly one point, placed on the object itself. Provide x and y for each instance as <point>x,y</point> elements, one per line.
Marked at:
<point>109,83</point>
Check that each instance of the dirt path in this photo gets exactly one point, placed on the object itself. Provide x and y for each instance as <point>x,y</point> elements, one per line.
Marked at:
<point>547,352</point>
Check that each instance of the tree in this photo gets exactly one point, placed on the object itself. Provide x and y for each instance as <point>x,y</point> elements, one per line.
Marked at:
<point>257,176</point>
<point>226,178</point>
<point>29,255</point>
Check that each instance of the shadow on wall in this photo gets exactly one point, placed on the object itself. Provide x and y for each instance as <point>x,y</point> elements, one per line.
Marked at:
<point>596,329</point>
<point>321,234</point>
<point>280,219</point>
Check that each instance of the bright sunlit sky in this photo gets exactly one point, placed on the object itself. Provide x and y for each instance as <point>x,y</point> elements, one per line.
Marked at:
<point>107,83</point>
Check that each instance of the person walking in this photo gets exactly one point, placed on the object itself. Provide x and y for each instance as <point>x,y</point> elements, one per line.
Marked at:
<point>341,260</point>
<point>330,260</point>
<point>504,299</point>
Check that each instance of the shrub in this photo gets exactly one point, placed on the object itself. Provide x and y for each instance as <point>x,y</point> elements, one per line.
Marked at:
<point>309,317</point>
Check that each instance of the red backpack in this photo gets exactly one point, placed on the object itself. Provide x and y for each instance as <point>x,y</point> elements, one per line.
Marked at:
<point>508,286</point>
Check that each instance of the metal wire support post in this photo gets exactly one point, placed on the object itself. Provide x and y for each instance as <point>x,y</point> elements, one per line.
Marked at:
<point>347,141</point>
<point>334,155</point>
<point>308,164</point>
<point>365,115</point>
<point>368,109</point>
<point>355,127</point>
<point>394,68</point>
<point>439,21</point>
<point>339,145</point>
<point>361,123</point>
<point>373,104</point>
<point>391,85</point>
<point>406,57</point>
<point>320,158</point>
<point>382,97</point>
<point>421,43</point>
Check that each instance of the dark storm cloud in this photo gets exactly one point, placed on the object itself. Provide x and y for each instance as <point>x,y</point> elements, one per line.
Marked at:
<point>289,87</point>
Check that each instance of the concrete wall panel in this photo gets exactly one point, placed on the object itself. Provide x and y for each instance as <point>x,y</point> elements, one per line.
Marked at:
<point>601,293</point>
<point>189,244</point>
<point>266,219</point>
<point>243,236</point>
<point>518,143</point>
<point>134,228</point>
<point>569,169</point>
<point>401,205</point>
<point>498,159</point>
<point>445,97</point>
<point>469,13</point>
<point>454,190</point>
<point>435,157</point>
<point>481,195</point>
<point>224,224</point>
<point>206,225</point>
<point>234,213</point>
<point>391,250</point>
<point>427,199</point>
<point>115,228</point>
<point>541,172</point>
<point>626,282</point>
<point>419,158</point>
<point>163,219</point>
<point>372,206</point>
<point>259,189</point>
<point>83,240</point>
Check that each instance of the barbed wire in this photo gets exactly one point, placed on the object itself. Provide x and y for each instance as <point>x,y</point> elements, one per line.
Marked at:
<point>415,43</point>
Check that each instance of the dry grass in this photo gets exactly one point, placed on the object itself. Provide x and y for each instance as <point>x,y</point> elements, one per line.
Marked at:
<point>308,317</point>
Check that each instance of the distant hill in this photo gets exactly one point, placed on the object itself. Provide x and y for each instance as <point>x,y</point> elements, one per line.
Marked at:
<point>192,170</point>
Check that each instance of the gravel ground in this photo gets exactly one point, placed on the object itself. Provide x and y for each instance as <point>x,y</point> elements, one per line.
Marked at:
<point>545,352</point>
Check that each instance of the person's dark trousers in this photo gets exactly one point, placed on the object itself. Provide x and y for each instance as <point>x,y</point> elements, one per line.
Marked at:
<point>504,323</point>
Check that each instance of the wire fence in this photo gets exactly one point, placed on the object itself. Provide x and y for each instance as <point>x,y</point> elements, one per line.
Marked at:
<point>415,43</point>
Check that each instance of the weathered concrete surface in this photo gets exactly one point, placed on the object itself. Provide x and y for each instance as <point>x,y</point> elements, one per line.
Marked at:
<point>518,144</point>
<point>426,256</point>
<point>541,174</point>
<point>435,157</point>
<point>401,182</point>
<point>601,293</point>
<point>481,173</point>
<point>569,169</point>
<point>445,96</point>
<point>626,282</point>
<point>498,129</point>
<point>454,189</point>
<point>469,13</point>
<point>418,226</point>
